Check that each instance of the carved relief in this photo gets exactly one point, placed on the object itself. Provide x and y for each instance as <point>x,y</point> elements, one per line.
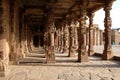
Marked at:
<point>107,24</point>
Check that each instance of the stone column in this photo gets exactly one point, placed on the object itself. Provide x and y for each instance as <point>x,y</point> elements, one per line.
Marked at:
<point>82,53</point>
<point>12,54</point>
<point>98,37</point>
<point>50,56</point>
<point>26,48</point>
<point>76,36</point>
<point>101,37</point>
<point>56,39</point>
<point>107,53</point>
<point>95,35</point>
<point>61,39</point>
<point>4,37</point>
<point>91,49</point>
<point>66,38</point>
<point>72,47</point>
<point>87,36</point>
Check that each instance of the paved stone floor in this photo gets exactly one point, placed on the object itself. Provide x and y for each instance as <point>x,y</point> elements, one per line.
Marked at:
<point>66,68</point>
<point>115,49</point>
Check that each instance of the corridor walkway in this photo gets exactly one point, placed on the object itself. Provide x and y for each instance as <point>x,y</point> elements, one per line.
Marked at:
<point>65,68</point>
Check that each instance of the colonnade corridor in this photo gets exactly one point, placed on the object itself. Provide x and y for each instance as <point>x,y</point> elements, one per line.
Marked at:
<point>59,26</point>
<point>37,56</point>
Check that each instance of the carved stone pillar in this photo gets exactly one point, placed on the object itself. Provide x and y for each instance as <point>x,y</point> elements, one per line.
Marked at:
<point>95,36</point>
<point>12,55</point>
<point>66,38</point>
<point>87,36</point>
<point>82,53</point>
<point>107,53</point>
<point>4,37</point>
<point>61,39</point>
<point>90,49</point>
<point>76,34</point>
<point>101,37</point>
<point>72,47</point>
<point>56,39</point>
<point>50,56</point>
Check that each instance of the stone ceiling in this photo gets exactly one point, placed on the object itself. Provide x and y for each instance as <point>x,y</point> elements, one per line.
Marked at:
<point>35,8</point>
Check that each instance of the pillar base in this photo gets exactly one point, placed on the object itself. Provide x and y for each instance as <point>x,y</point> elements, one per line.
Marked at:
<point>4,73</point>
<point>50,56</point>
<point>72,54</point>
<point>83,57</point>
<point>50,61</point>
<point>107,55</point>
<point>91,52</point>
<point>65,51</point>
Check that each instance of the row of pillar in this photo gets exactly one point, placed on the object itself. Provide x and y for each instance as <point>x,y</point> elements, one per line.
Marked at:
<point>69,35</point>
<point>72,38</point>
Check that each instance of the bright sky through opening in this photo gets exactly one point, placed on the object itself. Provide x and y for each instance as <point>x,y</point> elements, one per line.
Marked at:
<point>115,14</point>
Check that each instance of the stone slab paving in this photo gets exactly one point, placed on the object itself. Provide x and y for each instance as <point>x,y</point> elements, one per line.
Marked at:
<point>95,69</point>
<point>115,49</point>
<point>67,68</point>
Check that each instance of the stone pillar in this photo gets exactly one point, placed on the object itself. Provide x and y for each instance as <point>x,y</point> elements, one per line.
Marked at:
<point>82,53</point>
<point>95,35</point>
<point>107,53</point>
<point>56,39</point>
<point>87,36</point>
<point>66,38</point>
<point>98,37</point>
<point>72,47</point>
<point>50,56</point>
<point>101,37</point>
<point>76,36</point>
<point>26,48</point>
<point>61,39</point>
<point>12,54</point>
<point>4,37</point>
<point>91,49</point>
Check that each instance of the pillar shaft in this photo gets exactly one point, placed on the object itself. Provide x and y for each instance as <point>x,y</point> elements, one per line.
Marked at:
<point>82,53</point>
<point>61,39</point>
<point>107,53</point>
<point>72,47</point>
<point>101,37</point>
<point>66,38</point>
<point>50,56</point>
<point>4,37</point>
<point>90,49</point>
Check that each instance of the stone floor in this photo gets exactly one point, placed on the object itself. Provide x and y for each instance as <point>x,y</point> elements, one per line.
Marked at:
<point>115,49</point>
<point>66,68</point>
